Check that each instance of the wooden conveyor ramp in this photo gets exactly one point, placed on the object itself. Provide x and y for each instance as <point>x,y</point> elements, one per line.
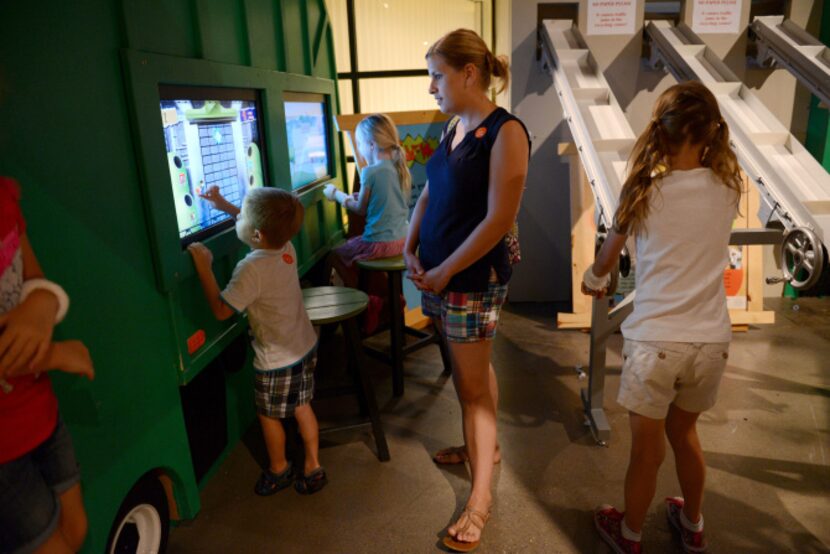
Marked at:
<point>781,41</point>
<point>599,127</point>
<point>604,140</point>
<point>794,187</point>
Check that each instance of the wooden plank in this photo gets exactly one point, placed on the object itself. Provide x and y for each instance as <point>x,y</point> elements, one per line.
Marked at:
<point>573,320</point>
<point>755,263</point>
<point>583,228</point>
<point>349,122</point>
<point>416,319</point>
<point>567,149</point>
<point>744,317</point>
<point>739,318</point>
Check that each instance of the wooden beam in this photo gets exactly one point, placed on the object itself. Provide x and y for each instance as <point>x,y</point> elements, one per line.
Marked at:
<point>348,122</point>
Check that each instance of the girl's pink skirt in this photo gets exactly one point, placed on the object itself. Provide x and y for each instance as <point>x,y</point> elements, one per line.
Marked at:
<point>356,249</point>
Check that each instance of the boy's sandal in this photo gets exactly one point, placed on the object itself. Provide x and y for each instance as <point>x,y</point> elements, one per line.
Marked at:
<point>270,482</point>
<point>311,483</point>
<point>453,455</point>
<point>462,546</point>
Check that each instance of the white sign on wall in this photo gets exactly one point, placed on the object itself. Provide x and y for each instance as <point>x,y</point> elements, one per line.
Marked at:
<point>611,17</point>
<point>716,16</point>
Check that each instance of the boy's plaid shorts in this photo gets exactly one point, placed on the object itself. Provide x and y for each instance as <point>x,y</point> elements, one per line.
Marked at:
<point>466,316</point>
<point>278,392</point>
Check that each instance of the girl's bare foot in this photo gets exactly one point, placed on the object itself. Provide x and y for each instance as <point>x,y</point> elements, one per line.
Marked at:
<point>458,455</point>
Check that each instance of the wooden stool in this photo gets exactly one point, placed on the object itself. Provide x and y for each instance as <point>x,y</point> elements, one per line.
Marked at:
<point>394,268</point>
<point>342,306</point>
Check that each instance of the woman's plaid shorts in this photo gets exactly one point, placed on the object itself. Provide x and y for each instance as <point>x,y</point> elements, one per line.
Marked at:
<point>466,316</point>
<point>279,391</point>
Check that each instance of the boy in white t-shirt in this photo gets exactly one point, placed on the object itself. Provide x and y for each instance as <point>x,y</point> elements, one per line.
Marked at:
<point>266,285</point>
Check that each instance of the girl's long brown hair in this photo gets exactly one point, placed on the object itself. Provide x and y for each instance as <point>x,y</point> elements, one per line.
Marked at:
<point>686,112</point>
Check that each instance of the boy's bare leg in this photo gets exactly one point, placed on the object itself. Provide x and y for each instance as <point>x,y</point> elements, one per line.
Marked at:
<point>73,524</point>
<point>274,435</point>
<point>688,454</point>
<point>648,448</point>
<point>310,431</point>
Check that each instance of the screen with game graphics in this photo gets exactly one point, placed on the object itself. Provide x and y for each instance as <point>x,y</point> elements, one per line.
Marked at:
<point>308,142</point>
<point>213,137</point>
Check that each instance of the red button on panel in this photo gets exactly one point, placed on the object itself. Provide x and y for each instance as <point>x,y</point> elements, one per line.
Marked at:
<point>196,341</point>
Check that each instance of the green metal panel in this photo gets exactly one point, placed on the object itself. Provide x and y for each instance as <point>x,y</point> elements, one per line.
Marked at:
<point>222,28</point>
<point>294,35</point>
<point>161,26</point>
<point>86,145</point>
<point>262,42</point>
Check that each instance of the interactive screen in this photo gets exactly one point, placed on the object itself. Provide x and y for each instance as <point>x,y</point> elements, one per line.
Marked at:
<point>308,142</point>
<point>212,137</point>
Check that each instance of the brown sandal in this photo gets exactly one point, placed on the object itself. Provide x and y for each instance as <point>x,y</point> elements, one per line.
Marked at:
<point>453,455</point>
<point>460,546</point>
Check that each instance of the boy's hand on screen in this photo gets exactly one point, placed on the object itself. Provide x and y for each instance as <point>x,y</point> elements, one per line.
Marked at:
<point>202,256</point>
<point>215,197</point>
<point>329,191</point>
<point>26,332</point>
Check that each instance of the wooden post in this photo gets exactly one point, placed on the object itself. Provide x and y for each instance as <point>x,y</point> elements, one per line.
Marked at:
<point>583,233</point>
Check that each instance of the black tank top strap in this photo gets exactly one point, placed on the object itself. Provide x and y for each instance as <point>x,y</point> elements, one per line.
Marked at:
<point>499,117</point>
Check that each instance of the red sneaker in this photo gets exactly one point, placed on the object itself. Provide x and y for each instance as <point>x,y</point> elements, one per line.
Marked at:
<point>692,541</point>
<point>608,522</point>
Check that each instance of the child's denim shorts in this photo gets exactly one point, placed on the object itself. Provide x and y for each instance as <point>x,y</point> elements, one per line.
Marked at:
<point>30,488</point>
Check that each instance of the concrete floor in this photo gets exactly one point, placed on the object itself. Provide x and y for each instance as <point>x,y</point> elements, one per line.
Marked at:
<point>767,446</point>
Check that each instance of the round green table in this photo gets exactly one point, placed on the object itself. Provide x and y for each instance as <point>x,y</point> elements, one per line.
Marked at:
<point>333,304</point>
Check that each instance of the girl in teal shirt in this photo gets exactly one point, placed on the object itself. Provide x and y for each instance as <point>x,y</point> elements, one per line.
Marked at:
<point>383,198</point>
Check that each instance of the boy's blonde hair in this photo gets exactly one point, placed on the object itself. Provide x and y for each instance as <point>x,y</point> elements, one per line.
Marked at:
<point>463,46</point>
<point>685,113</point>
<point>276,213</point>
<point>381,129</point>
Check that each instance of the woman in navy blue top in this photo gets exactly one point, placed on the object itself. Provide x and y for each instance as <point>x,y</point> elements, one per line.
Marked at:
<point>475,182</point>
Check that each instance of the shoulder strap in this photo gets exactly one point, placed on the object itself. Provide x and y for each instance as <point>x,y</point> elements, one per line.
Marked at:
<point>493,129</point>
<point>449,126</point>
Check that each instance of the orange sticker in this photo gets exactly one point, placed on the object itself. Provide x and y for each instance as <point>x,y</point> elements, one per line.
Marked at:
<point>733,279</point>
<point>287,258</point>
<point>480,132</point>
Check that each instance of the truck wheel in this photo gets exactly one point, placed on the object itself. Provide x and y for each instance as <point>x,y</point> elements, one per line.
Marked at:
<point>143,520</point>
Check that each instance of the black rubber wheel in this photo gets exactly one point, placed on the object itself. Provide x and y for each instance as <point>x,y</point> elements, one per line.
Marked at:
<point>142,524</point>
